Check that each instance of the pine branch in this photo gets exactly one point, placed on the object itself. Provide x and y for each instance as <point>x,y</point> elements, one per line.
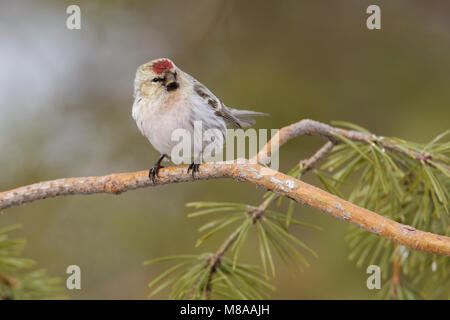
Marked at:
<point>315,128</point>
<point>310,163</point>
<point>396,274</point>
<point>258,175</point>
<point>399,174</point>
<point>256,214</point>
<point>306,165</point>
<point>17,279</point>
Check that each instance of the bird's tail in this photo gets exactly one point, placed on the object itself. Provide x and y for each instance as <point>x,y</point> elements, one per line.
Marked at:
<point>245,117</point>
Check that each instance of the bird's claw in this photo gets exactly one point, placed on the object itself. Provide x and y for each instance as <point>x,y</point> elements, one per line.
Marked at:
<point>153,172</point>
<point>194,167</point>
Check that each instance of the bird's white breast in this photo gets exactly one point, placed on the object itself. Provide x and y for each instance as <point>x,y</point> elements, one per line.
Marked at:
<point>158,119</point>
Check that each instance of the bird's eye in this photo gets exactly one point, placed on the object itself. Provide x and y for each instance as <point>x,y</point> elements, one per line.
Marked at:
<point>155,79</point>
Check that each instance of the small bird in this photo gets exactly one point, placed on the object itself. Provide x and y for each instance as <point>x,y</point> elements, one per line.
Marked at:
<point>166,99</point>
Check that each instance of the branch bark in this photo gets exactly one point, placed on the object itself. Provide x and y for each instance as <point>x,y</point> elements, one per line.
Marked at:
<point>315,128</point>
<point>253,173</point>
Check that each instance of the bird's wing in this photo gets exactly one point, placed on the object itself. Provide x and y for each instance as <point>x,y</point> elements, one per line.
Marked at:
<point>219,108</point>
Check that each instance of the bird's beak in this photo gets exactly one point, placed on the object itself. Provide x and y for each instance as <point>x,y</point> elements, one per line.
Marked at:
<point>171,82</point>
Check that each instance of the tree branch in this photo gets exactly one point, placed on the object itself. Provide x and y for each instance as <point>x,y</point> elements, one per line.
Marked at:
<point>257,213</point>
<point>310,163</point>
<point>249,171</point>
<point>396,275</point>
<point>253,173</point>
<point>214,260</point>
<point>307,165</point>
<point>315,128</point>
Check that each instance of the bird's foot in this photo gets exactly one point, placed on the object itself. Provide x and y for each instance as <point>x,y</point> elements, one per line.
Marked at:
<point>194,167</point>
<point>153,172</point>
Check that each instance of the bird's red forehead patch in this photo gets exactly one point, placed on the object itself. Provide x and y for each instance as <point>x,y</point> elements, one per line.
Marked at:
<point>161,66</point>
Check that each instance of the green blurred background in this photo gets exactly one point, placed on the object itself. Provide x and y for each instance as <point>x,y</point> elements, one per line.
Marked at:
<point>65,110</point>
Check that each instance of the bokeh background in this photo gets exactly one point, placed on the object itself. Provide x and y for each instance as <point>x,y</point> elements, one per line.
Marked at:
<point>65,110</point>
